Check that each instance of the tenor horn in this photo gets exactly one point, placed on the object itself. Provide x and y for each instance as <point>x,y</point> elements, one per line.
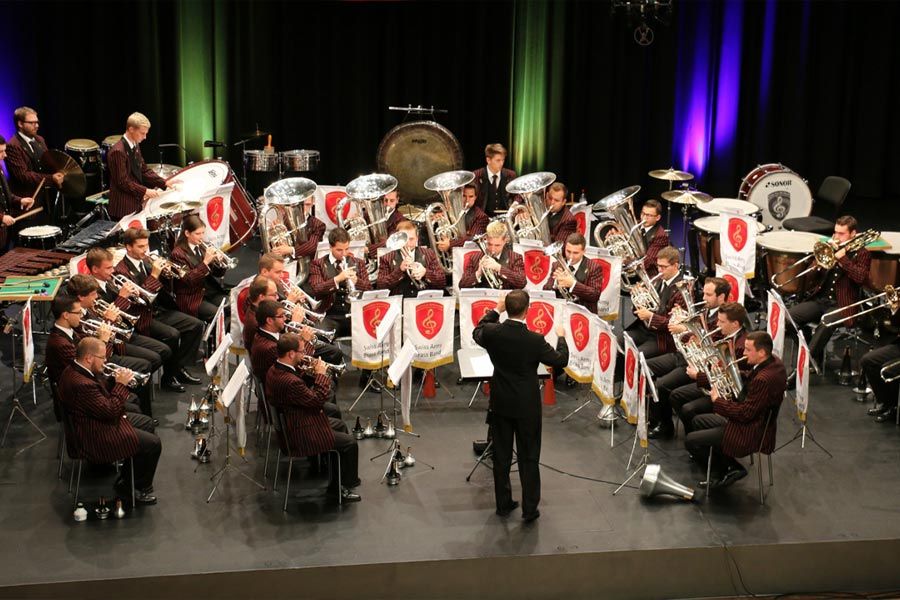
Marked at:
<point>527,218</point>
<point>442,221</point>
<point>397,241</point>
<point>556,252</point>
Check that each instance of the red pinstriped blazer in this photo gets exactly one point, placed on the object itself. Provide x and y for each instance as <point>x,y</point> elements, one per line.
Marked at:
<point>512,271</point>
<point>190,289</point>
<point>746,420</point>
<point>60,352</point>
<point>250,326</point>
<point>391,277</point>
<point>853,271</point>
<point>588,281</point>
<point>263,354</point>
<point>658,241</point>
<point>98,416</point>
<point>300,398</point>
<point>128,184</point>
<point>315,231</point>
<point>322,274</point>
<point>478,222</point>
<point>150,283</point>
<point>566,226</point>
<point>392,223</point>
<point>24,170</point>
<point>659,322</point>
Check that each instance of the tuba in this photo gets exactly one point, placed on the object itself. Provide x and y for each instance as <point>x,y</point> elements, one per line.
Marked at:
<point>446,225</point>
<point>527,218</point>
<point>556,251</point>
<point>619,234</point>
<point>369,223</point>
<point>282,217</point>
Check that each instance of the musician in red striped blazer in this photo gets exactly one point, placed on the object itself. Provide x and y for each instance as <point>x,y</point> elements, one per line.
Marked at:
<point>560,219</point>
<point>841,287</point>
<point>328,279</point>
<point>261,288</point>
<point>588,280</point>
<point>474,222</point>
<point>491,180</point>
<point>200,291</point>
<point>738,428</point>
<point>100,424</point>
<point>302,399</point>
<point>315,231</point>
<point>655,236</point>
<point>391,201</point>
<point>10,204</point>
<point>23,162</point>
<point>501,259</point>
<point>396,272</point>
<point>180,332</point>
<point>131,182</point>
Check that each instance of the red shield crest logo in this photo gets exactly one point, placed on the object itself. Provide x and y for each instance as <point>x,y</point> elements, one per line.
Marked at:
<point>467,258</point>
<point>606,267</point>
<point>604,344</point>
<point>540,317</point>
<point>801,365</point>
<point>733,282</point>
<point>537,266</point>
<point>242,303</point>
<point>737,233</point>
<point>215,212</point>
<point>429,319</point>
<point>581,219</point>
<point>581,330</point>
<point>774,315</point>
<point>480,308</point>
<point>629,367</point>
<point>82,267</point>
<point>331,201</point>
<point>372,313</point>
<point>135,224</point>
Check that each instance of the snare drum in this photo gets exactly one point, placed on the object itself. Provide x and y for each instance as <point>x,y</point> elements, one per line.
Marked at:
<point>779,192</point>
<point>41,237</point>
<point>258,161</point>
<point>717,206</point>
<point>299,161</point>
<point>885,268</point>
<point>782,250</point>
<point>708,239</point>
<point>86,152</point>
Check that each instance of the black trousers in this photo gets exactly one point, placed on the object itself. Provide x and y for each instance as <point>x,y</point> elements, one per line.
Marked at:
<point>181,333</point>
<point>709,430</point>
<point>346,445</point>
<point>688,401</point>
<point>872,363</point>
<point>643,338</point>
<point>145,460</point>
<point>206,312</point>
<point>148,349</point>
<point>527,434</point>
<point>138,420</point>
<point>808,312</point>
<point>669,373</point>
<point>138,365</point>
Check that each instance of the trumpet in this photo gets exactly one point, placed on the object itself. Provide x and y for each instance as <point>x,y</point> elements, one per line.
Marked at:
<point>169,268</point>
<point>122,317</point>
<point>140,295</point>
<point>891,296</point>
<point>92,327</point>
<point>221,259</point>
<point>139,379</point>
<point>823,255</point>
<point>308,364</point>
<point>326,335</point>
<point>492,277</point>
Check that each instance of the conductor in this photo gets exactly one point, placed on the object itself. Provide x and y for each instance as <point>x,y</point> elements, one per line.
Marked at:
<point>515,403</point>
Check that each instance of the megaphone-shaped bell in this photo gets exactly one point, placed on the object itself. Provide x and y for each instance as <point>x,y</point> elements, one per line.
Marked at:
<point>369,431</point>
<point>656,483</point>
<point>358,432</point>
<point>393,474</point>
<point>390,433</point>
<point>607,415</point>
<point>191,414</point>
<point>409,461</point>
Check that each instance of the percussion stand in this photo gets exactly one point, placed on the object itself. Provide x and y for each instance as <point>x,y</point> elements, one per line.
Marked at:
<point>686,226</point>
<point>14,397</point>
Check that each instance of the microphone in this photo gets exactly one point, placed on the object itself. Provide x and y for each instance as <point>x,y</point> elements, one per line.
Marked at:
<point>213,144</point>
<point>171,146</point>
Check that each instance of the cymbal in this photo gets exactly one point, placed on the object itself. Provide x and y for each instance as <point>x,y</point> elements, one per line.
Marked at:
<point>255,134</point>
<point>74,182</point>
<point>690,197</point>
<point>670,174</point>
<point>163,170</point>
<point>180,205</point>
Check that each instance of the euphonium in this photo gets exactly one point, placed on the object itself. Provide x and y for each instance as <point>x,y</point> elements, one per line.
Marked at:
<point>722,368</point>
<point>92,327</point>
<point>140,296</point>
<point>556,251</point>
<point>308,364</point>
<point>139,379</point>
<point>643,294</point>
<point>446,225</point>
<point>527,219</point>
<point>122,317</point>
<point>492,277</point>
<point>692,344</point>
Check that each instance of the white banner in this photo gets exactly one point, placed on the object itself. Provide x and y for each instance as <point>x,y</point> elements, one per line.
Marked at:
<point>365,317</point>
<point>775,323</point>
<point>428,324</point>
<point>78,265</point>
<point>584,216</point>
<point>27,344</point>
<point>545,312</point>
<point>461,257</point>
<point>736,279</point>
<point>327,199</point>
<point>216,214</point>
<point>136,220</point>
<point>643,403</point>
<point>630,382</point>
<point>611,289</point>
<point>801,397</point>
<point>581,338</point>
<point>473,304</point>
<point>237,299</point>
<point>538,266</point>
<point>737,237</point>
<point>603,382</point>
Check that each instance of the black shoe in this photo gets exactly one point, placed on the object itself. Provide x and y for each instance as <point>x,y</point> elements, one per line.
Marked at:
<point>171,384</point>
<point>531,516</point>
<point>732,474</point>
<point>887,415</point>
<point>144,498</point>
<point>504,512</point>
<point>876,410</point>
<point>186,377</point>
<point>348,496</point>
<point>661,431</point>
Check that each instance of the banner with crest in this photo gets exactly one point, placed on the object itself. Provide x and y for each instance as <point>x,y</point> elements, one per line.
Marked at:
<point>327,198</point>
<point>365,316</point>
<point>611,288</point>
<point>216,215</point>
<point>775,323</point>
<point>801,396</point>
<point>544,312</point>
<point>473,304</point>
<point>461,257</point>
<point>428,324</point>
<point>584,216</point>
<point>580,337</point>
<point>736,279</point>
<point>538,266</point>
<point>737,237</point>
<point>630,381</point>
<point>603,382</point>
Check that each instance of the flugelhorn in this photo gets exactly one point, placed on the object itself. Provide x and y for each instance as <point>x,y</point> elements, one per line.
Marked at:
<point>220,259</point>
<point>169,268</point>
<point>823,255</point>
<point>891,296</point>
<point>122,317</point>
<point>492,277</point>
<point>308,364</point>
<point>397,241</point>
<point>139,379</point>
<point>140,296</point>
<point>92,327</point>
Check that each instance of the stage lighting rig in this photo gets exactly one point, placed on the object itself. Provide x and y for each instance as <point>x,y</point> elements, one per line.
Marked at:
<point>641,14</point>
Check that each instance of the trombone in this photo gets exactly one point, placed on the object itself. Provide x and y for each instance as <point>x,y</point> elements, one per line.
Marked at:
<point>140,295</point>
<point>139,379</point>
<point>891,296</point>
<point>92,328</point>
<point>122,318</point>
<point>887,368</point>
<point>824,256</point>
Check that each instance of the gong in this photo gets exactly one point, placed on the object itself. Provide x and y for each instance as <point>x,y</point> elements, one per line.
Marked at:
<point>412,152</point>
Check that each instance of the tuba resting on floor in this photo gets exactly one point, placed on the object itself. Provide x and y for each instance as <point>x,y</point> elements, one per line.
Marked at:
<point>527,217</point>
<point>282,217</point>
<point>443,221</point>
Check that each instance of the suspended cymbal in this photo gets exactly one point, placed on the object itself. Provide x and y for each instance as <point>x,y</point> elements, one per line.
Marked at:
<point>690,197</point>
<point>180,205</point>
<point>670,174</point>
<point>255,133</point>
<point>163,170</point>
<point>74,183</point>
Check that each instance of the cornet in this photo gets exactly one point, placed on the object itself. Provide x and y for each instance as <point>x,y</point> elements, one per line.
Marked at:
<point>220,259</point>
<point>308,364</point>
<point>169,268</point>
<point>292,289</point>
<point>122,317</point>
<point>139,379</point>
<point>352,292</point>
<point>141,296</point>
<point>326,335</point>
<point>92,327</point>
<point>310,317</point>
<point>397,241</point>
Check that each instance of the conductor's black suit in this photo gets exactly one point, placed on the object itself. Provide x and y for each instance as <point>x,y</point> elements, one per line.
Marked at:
<point>515,404</point>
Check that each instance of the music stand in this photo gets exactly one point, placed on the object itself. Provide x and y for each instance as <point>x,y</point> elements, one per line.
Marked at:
<point>645,458</point>
<point>14,396</point>
<point>381,332</point>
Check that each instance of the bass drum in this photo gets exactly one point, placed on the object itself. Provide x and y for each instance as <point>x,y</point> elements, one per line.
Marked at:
<point>412,152</point>
<point>779,192</point>
<point>206,175</point>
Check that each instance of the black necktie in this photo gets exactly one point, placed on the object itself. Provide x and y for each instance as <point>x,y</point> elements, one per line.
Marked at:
<point>142,269</point>
<point>494,179</point>
<point>199,253</point>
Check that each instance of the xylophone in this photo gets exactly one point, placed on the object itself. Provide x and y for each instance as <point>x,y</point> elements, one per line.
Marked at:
<point>27,262</point>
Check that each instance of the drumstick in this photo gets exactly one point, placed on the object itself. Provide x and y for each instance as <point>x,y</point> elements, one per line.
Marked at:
<point>38,190</point>
<point>28,214</point>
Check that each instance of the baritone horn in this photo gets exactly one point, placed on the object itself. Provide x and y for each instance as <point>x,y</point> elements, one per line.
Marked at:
<point>442,221</point>
<point>527,218</point>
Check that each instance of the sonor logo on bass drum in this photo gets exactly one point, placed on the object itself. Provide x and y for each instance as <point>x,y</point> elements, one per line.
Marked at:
<point>780,183</point>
